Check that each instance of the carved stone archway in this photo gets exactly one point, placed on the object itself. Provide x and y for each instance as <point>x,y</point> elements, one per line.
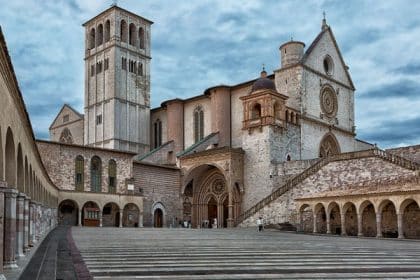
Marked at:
<point>329,146</point>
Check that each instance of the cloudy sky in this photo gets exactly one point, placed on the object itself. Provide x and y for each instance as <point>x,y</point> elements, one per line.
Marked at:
<point>198,44</point>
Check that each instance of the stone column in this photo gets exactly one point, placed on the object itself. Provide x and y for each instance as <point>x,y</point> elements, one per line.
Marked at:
<point>343,225</point>
<point>400,225</point>
<point>328,224</point>
<point>3,186</point>
<point>100,218</point>
<point>20,208</point>
<point>378,225</point>
<point>230,221</point>
<point>121,217</point>
<point>359,225</point>
<point>32,210</point>
<point>141,220</point>
<point>26,225</point>
<point>80,218</point>
<point>10,228</point>
<point>315,225</point>
<point>37,221</point>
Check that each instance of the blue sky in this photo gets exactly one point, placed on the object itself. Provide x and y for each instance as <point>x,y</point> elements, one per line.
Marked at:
<point>198,44</point>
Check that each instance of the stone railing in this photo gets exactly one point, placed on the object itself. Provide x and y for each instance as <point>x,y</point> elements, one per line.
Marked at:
<point>317,166</point>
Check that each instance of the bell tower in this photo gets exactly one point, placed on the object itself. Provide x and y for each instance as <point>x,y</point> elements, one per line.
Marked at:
<point>117,81</point>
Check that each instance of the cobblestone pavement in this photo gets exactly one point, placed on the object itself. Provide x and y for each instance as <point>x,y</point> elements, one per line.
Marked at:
<point>121,253</point>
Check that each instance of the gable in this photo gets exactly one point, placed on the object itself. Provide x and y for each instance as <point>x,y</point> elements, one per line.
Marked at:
<point>66,115</point>
<point>325,47</point>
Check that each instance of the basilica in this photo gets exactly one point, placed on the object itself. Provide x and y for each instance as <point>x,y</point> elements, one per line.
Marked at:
<point>281,146</point>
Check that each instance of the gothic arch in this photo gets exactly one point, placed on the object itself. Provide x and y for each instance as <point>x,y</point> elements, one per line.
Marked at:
<point>329,146</point>
<point>66,137</point>
<point>95,174</point>
<point>158,214</point>
<point>198,123</point>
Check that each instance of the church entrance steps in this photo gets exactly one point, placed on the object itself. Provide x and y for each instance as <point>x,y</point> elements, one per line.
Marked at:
<point>400,161</point>
<point>112,253</point>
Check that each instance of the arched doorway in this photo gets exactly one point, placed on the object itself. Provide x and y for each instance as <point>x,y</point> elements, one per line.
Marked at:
<point>411,218</point>
<point>306,218</point>
<point>90,214</point>
<point>321,218</point>
<point>131,215</point>
<point>68,213</point>
<point>329,146</point>
<point>158,218</point>
<point>335,218</point>
<point>212,211</point>
<point>350,219</point>
<point>368,219</point>
<point>111,215</point>
<point>389,224</point>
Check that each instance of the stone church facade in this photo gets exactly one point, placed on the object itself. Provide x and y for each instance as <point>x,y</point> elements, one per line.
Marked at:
<point>281,147</point>
<point>264,147</point>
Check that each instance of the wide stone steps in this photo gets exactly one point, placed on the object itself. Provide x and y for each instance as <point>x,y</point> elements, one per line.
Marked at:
<point>242,254</point>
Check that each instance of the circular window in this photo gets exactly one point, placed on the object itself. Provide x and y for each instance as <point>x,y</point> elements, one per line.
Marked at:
<point>328,65</point>
<point>329,103</point>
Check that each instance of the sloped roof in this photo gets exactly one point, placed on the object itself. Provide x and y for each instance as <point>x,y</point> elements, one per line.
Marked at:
<point>81,116</point>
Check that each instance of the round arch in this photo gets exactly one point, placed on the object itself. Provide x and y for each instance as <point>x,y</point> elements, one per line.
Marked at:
<point>111,215</point>
<point>20,170</point>
<point>131,215</point>
<point>367,213</point>
<point>388,214</point>
<point>10,159</point>
<point>320,216</point>
<point>410,211</point>
<point>329,146</point>
<point>91,214</point>
<point>334,215</point>
<point>306,218</point>
<point>68,212</point>
<point>349,211</point>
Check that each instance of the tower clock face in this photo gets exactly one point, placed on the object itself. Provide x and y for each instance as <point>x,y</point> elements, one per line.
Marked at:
<point>329,104</point>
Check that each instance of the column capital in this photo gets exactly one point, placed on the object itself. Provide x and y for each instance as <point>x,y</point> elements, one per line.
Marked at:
<point>8,192</point>
<point>3,184</point>
<point>21,196</point>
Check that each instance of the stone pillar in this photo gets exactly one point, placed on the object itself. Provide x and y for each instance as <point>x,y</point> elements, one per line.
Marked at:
<point>315,225</point>
<point>230,222</point>
<point>343,225</point>
<point>32,210</point>
<point>26,225</point>
<point>10,228</point>
<point>359,225</point>
<point>328,224</point>
<point>100,218</point>
<point>20,208</point>
<point>3,186</point>
<point>37,221</point>
<point>378,225</point>
<point>121,217</point>
<point>141,220</point>
<point>80,218</point>
<point>400,225</point>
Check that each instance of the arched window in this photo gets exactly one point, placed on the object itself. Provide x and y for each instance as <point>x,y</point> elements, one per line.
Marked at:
<point>140,69</point>
<point>198,124</point>
<point>100,37</point>
<point>256,111</point>
<point>157,127</point>
<point>92,38</point>
<point>66,136</point>
<point>132,35</point>
<point>112,176</point>
<point>79,173</point>
<point>95,174</point>
<point>123,31</point>
<point>107,30</point>
<point>141,38</point>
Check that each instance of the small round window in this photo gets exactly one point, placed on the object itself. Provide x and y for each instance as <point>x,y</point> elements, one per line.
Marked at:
<point>328,65</point>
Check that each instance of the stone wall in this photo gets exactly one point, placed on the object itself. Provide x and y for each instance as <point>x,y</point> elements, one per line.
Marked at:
<point>163,155</point>
<point>337,175</point>
<point>159,185</point>
<point>411,152</point>
<point>59,160</point>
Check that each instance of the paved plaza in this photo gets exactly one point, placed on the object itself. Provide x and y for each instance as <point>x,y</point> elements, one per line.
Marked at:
<point>115,253</point>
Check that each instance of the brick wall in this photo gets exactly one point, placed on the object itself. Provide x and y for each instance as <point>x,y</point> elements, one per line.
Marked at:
<point>159,184</point>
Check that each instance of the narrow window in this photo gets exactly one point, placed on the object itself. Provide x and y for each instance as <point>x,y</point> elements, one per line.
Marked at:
<point>95,174</point>
<point>79,174</point>
<point>140,69</point>
<point>92,38</point>
<point>132,35</point>
<point>124,63</point>
<point>256,111</point>
<point>112,176</point>
<point>157,127</point>
<point>141,38</point>
<point>123,31</point>
<point>107,30</point>
<point>100,37</point>
<point>106,63</point>
<point>99,119</point>
<point>198,124</point>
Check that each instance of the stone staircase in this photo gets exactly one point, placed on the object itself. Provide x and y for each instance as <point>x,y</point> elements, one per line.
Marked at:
<point>403,162</point>
<point>132,253</point>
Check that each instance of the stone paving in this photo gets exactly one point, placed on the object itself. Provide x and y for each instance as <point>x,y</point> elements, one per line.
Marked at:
<point>123,253</point>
